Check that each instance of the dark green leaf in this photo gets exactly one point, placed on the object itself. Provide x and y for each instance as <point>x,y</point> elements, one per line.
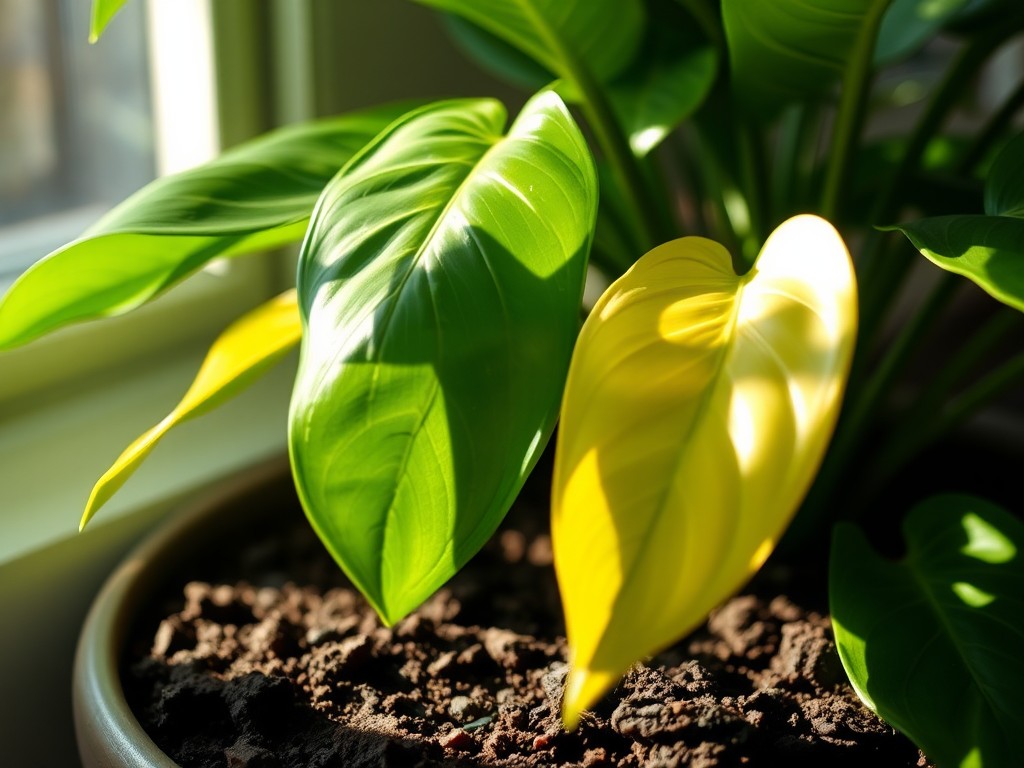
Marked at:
<point>909,24</point>
<point>102,12</point>
<point>494,55</point>
<point>932,643</point>
<point>256,196</point>
<point>440,284</point>
<point>988,249</point>
<point>1004,187</point>
<point>663,86</point>
<point>602,33</point>
<point>789,50</point>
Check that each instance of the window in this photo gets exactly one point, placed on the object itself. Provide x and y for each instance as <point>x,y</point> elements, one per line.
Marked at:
<point>81,128</point>
<point>75,126</point>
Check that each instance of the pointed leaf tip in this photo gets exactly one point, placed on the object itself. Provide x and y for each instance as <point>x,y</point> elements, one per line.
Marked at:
<point>698,407</point>
<point>240,355</point>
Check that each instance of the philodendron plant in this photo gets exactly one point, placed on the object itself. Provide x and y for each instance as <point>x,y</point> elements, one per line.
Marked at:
<point>438,298</point>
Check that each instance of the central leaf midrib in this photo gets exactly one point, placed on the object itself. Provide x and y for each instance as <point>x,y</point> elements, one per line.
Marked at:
<point>684,445</point>
<point>936,607</point>
<point>414,263</point>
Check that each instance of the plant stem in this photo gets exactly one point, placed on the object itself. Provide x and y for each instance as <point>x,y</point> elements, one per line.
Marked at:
<point>912,442</point>
<point>599,113</point>
<point>861,415</point>
<point>882,278</point>
<point>752,168</point>
<point>973,351</point>
<point>850,118</point>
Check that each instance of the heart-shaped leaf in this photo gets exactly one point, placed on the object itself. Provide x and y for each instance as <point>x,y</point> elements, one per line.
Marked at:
<point>787,51</point>
<point>256,196</point>
<point>440,285</point>
<point>988,249</point>
<point>240,355</point>
<point>933,643</point>
<point>698,407</point>
<point>604,34</point>
<point>102,12</point>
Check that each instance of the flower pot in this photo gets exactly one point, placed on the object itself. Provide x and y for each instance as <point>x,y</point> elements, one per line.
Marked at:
<point>472,678</point>
<point>107,731</point>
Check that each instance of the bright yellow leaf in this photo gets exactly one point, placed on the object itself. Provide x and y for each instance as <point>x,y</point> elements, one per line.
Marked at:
<point>237,358</point>
<point>698,407</point>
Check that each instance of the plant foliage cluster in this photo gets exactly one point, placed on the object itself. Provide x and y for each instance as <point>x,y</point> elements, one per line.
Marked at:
<point>438,298</point>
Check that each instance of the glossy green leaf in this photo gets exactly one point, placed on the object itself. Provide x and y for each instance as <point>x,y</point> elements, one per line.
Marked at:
<point>664,85</point>
<point>604,34</point>
<point>440,285</point>
<point>909,24</point>
<point>789,50</point>
<point>239,356</point>
<point>494,55</point>
<point>933,643</point>
<point>988,249</point>
<point>698,406</point>
<point>102,12</point>
<point>259,195</point>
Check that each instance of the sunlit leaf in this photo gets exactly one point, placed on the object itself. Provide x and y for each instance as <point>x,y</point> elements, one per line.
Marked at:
<point>785,51</point>
<point>102,12</point>
<point>602,33</point>
<point>932,643</point>
<point>440,284</point>
<point>986,248</point>
<point>237,358</point>
<point>697,410</point>
<point>259,195</point>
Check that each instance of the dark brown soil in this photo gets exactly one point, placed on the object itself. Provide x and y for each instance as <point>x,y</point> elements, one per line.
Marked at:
<point>273,661</point>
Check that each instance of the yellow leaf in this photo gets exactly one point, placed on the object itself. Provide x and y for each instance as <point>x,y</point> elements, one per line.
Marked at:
<point>237,358</point>
<point>697,410</point>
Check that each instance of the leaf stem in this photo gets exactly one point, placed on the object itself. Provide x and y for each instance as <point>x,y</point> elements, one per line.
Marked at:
<point>596,107</point>
<point>752,169</point>
<point>860,417</point>
<point>881,278</point>
<point>912,442</point>
<point>850,118</point>
<point>973,351</point>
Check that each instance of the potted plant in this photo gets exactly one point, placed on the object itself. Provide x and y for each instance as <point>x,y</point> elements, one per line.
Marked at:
<point>438,298</point>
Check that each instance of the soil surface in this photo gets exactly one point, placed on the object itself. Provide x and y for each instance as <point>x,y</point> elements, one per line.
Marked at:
<point>273,661</point>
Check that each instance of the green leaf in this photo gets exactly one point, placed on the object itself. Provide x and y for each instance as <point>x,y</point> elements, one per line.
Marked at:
<point>663,86</point>
<point>239,356</point>
<point>698,406</point>
<point>789,50</point>
<point>932,643</point>
<point>909,24</point>
<point>102,12</point>
<point>257,196</point>
<point>440,285</point>
<point>988,249</point>
<point>604,34</point>
<point>1004,187</point>
<point>495,56</point>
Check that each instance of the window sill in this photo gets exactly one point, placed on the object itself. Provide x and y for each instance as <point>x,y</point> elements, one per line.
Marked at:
<point>52,456</point>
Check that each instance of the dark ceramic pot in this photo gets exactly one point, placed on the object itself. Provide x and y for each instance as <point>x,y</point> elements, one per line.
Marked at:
<point>108,734</point>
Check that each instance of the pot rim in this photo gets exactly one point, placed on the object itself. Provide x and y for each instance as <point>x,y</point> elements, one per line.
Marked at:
<point>106,729</point>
